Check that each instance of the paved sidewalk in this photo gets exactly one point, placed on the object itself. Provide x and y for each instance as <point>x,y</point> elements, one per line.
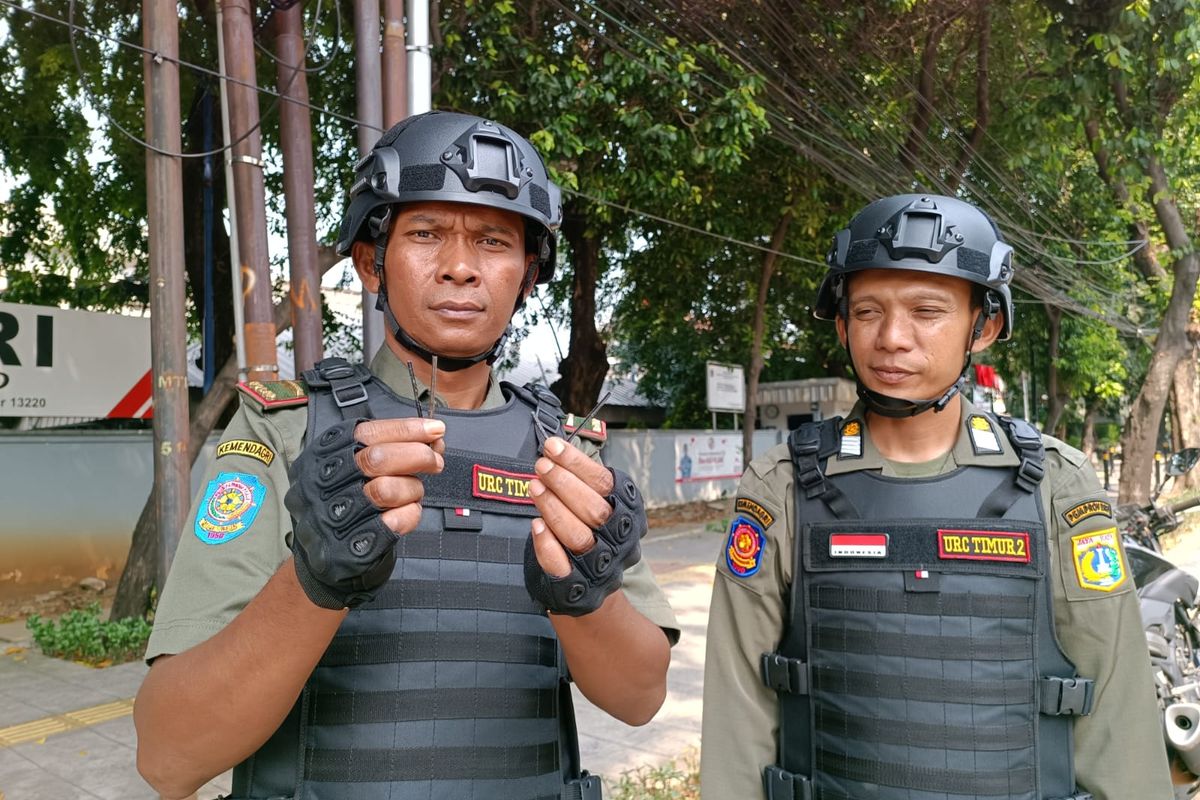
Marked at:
<point>66,730</point>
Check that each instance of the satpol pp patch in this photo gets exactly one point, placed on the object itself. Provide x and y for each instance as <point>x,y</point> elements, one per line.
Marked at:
<point>983,435</point>
<point>246,447</point>
<point>744,550</point>
<point>231,504</point>
<point>1088,508</point>
<point>1099,565</point>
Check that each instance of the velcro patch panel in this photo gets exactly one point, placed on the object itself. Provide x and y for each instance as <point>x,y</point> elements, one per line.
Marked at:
<point>999,547</point>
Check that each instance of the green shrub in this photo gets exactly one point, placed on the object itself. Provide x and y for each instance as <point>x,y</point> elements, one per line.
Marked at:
<point>81,635</point>
<point>670,781</point>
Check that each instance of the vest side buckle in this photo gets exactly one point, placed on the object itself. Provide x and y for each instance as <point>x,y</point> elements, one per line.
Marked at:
<point>585,787</point>
<point>1030,474</point>
<point>349,394</point>
<point>783,785</point>
<point>1071,696</point>
<point>783,674</point>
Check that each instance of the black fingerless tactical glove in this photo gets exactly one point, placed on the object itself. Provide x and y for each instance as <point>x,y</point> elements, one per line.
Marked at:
<point>343,551</point>
<point>597,573</point>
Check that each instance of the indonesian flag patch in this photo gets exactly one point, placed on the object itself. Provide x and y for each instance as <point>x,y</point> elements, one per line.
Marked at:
<point>744,550</point>
<point>858,545</point>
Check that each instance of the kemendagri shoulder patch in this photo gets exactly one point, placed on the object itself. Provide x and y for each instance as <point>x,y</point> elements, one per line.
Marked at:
<point>744,505</point>
<point>744,549</point>
<point>269,395</point>
<point>246,447</point>
<point>595,429</point>
<point>1099,565</point>
<point>1086,510</point>
<point>231,504</point>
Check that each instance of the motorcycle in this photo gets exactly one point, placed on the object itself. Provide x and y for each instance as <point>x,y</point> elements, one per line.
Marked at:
<point>1169,599</point>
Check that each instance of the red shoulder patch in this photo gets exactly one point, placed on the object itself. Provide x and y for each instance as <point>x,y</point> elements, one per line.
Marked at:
<point>596,429</point>
<point>275,394</point>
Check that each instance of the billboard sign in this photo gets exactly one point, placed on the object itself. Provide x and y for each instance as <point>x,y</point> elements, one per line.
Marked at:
<point>64,363</point>
<point>726,384</point>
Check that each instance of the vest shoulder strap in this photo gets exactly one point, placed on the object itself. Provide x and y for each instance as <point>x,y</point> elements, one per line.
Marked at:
<point>810,446</point>
<point>345,381</point>
<point>1027,477</point>
<point>545,405</point>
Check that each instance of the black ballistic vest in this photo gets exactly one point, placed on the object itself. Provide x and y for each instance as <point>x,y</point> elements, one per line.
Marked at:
<point>450,683</point>
<point>919,661</point>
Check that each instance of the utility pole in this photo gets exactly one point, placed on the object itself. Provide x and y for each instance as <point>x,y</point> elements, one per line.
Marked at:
<point>235,259</point>
<point>168,332</point>
<point>238,27</point>
<point>420,64</point>
<point>370,125</point>
<point>395,64</point>
<point>295,127</point>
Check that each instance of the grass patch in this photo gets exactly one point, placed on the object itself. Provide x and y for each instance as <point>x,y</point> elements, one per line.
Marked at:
<point>674,780</point>
<point>81,636</point>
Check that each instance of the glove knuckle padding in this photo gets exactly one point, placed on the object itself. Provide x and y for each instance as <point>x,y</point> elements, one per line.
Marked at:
<point>596,573</point>
<point>343,550</point>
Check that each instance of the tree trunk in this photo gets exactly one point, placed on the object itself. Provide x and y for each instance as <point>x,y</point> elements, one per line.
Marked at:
<point>583,371</point>
<point>1087,442</point>
<point>1056,396</point>
<point>1141,433</point>
<point>769,260</point>
<point>983,109</point>
<point>1185,406</point>
<point>1144,259</point>
<point>910,151</point>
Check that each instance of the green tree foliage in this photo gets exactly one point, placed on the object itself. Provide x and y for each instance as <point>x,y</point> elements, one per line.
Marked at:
<point>623,120</point>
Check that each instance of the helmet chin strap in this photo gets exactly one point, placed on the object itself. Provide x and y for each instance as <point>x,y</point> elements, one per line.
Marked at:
<point>897,407</point>
<point>445,362</point>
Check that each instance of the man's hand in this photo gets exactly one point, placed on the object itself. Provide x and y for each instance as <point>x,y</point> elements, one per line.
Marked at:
<point>353,490</point>
<point>590,530</point>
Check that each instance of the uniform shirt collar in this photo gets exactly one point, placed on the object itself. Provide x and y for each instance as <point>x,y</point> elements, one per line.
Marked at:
<point>387,366</point>
<point>985,444</point>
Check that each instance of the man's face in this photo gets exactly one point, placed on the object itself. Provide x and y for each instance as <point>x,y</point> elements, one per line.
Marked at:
<point>454,272</point>
<point>909,331</point>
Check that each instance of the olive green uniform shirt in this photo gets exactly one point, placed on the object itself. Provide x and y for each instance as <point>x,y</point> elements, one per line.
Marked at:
<point>1119,748</point>
<point>209,584</point>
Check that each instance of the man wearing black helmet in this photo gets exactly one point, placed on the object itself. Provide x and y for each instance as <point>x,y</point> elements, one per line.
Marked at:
<point>924,600</point>
<point>387,585</point>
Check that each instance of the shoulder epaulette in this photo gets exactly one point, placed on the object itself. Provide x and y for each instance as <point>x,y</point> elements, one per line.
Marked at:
<point>596,429</point>
<point>270,395</point>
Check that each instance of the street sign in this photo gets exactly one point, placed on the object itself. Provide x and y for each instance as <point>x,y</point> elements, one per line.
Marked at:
<point>65,363</point>
<point>726,386</point>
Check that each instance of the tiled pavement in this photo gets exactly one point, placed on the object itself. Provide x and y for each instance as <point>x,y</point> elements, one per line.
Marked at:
<point>66,730</point>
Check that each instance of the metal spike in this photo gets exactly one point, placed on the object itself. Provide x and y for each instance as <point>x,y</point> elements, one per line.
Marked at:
<point>412,376</point>
<point>433,388</point>
<point>591,414</point>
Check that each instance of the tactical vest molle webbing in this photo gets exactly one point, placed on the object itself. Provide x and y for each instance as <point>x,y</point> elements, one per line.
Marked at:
<point>450,683</point>
<point>919,661</point>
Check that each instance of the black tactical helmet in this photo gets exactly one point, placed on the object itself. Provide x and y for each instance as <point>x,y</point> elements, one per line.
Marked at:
<point>924,233</point>
<point>455,158</point>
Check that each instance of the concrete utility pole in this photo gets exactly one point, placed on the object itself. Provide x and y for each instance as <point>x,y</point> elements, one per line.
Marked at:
<point>235,259</point>
<point>168,328</point>
<point>238,26</point>
<point>420,64</point>
<point>370,126</point>
<point>395,64</point>
<point>295,127</point>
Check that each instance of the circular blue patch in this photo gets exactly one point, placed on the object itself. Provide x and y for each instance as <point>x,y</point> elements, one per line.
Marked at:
<point>744,549</point>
